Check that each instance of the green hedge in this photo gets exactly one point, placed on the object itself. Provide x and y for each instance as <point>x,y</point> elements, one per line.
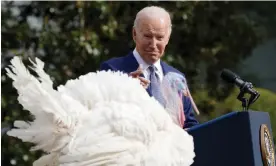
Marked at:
<point>265,103</point>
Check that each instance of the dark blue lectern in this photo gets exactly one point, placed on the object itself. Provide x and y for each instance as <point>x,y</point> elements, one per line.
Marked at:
<point>235,139</point>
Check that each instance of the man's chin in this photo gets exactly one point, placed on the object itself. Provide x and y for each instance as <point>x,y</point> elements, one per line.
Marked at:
<point>153,57</point>
<point>153,60</point>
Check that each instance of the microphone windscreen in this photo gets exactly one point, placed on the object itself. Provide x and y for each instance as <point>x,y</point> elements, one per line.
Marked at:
<point>228,76</point>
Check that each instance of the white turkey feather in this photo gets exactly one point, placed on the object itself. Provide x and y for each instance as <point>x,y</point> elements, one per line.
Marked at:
<point>101,118</point>
<point>43,77</point>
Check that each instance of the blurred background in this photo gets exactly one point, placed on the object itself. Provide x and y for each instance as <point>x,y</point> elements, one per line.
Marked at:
<point>73,38</point>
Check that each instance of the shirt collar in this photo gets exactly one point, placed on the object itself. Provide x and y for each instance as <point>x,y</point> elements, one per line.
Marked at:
<point>145,65</point>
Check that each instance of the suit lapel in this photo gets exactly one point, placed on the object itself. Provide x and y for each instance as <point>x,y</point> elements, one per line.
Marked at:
<point>165,68</point>
<point>131,63</point>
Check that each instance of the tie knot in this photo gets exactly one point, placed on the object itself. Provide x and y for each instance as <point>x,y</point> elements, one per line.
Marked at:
<point>152,68</point>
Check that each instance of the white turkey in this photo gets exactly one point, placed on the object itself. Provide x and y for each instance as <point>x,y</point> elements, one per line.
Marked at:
<point>101,118</point>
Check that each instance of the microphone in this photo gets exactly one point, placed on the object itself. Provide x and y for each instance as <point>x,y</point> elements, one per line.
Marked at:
<point>231,77</point>
<point>245,87</point>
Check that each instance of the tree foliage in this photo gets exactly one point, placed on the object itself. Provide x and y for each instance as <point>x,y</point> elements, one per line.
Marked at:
<point>73,38</point>
<point>265,103</point>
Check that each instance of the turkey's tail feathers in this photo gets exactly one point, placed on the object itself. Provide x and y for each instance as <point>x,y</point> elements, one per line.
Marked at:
<point>119,130</point>
<point>54,119</point>
<point>47,160</point>
<point>43,77</point>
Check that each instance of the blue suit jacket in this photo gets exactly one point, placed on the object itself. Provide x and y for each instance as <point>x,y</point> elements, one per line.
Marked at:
<point>129,64</point>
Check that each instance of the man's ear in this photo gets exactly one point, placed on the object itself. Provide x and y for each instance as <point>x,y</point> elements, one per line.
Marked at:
<point>134,34</point>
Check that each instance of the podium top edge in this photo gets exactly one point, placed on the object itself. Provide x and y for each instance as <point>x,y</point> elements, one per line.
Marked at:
<point>231,114</point>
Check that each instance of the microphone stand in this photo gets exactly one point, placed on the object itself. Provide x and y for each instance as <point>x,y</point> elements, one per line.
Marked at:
<point>243,100</point>
<point>253,96</point>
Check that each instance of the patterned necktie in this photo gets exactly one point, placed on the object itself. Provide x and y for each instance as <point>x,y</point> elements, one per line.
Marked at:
<point>155,86</point>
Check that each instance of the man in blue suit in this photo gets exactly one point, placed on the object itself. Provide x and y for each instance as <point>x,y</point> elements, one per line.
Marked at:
<point>151,33</point>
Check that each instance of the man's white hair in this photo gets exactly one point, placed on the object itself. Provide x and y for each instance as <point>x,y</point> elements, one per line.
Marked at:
<point>153,12</point>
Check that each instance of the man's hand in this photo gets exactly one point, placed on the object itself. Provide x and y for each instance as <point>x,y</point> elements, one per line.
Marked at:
<point>136,74</point>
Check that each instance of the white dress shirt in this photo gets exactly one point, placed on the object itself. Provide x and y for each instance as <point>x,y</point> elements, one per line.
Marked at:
<point>145,66</point>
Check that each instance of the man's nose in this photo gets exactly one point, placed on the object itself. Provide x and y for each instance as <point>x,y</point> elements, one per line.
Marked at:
<point>153,42</point>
